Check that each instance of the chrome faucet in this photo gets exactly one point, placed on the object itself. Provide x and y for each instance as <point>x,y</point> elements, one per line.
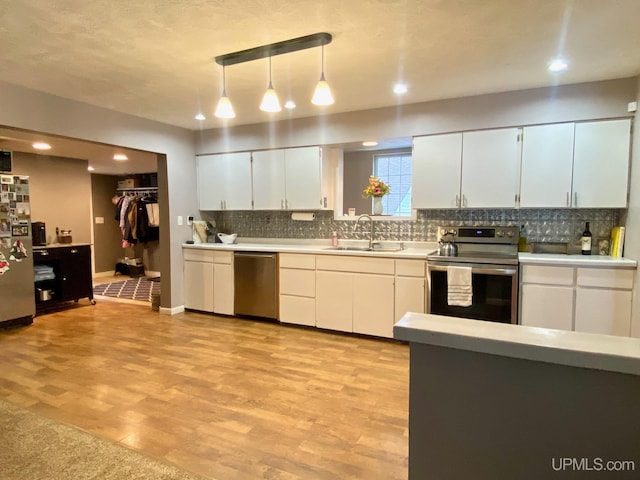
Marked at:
<point>355,227</point>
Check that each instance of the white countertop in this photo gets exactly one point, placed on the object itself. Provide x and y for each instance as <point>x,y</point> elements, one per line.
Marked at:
<point>322,247</point>
<point>575,260</point>
<point>575,349</point>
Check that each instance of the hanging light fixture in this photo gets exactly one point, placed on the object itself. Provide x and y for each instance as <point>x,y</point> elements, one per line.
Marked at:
<point>224,108</point>
<point>270,102</point>
<point>322,95</point>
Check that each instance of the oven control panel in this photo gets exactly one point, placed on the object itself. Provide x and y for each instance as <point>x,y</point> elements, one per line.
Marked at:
<point>474,234</point>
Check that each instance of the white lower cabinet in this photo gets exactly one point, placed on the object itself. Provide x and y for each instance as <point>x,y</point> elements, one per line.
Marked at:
<point>410,284</point>
<point>297,289</point>
<point>198,286</point>
<point>355,294</point>
<point>593,300</point>
<point>208,281</point>
<point>373,304</point>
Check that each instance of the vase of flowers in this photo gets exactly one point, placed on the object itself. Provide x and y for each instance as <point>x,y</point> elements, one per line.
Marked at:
<point>376,189</point>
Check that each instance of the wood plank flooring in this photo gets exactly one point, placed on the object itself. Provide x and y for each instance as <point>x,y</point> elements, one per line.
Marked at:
<point>223,397</point>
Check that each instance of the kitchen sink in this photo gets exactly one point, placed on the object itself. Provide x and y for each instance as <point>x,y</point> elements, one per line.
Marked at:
<point>366,249</point>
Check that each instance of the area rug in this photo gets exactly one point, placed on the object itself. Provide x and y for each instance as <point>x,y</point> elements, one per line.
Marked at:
<point>33,447</point>
<point>135,289</point>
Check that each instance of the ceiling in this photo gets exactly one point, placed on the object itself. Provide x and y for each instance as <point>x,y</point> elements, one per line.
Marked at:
<point>155,59</point>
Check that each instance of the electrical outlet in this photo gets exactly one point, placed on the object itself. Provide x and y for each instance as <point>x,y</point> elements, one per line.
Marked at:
<point>632,107</point>
<point>189,220</point>
<point>179,220</point>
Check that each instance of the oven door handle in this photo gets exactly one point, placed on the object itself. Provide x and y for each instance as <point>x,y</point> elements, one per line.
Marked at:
<point>479,271</point>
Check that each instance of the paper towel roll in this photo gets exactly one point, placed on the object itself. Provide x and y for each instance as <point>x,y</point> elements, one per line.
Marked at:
<point>303,216</point>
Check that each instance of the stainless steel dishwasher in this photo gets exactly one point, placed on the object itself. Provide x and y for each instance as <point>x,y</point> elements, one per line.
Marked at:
<point>256,284</point>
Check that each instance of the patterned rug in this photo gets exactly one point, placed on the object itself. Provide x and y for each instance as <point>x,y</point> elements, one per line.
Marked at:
<point>135,289</point>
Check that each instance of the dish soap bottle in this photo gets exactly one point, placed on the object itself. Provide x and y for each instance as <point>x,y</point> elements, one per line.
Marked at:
<point>334,239</point>
<point>522,239</point>
<point>585,241</point>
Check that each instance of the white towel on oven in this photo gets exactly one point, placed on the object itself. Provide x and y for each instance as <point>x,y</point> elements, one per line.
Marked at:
<point>459,291</point>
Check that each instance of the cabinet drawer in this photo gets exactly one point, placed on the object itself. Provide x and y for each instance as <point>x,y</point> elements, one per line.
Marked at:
<point>547,275</point>
<point>410,268</point>
<point>605,277</point>
<point>296,260</point>
<point>298,282</point>
<point>196,255</point>
<point>383,266</point>
<point>223,257</point>
<point>298,310</point>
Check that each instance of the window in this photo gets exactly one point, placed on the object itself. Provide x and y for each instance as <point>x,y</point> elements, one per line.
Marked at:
<point>395,170</point>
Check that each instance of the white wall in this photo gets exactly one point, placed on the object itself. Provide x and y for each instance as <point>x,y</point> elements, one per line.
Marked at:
<point>526,107</point>
<point>27,109</point>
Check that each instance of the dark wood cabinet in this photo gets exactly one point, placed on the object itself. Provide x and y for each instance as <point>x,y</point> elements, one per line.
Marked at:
<point>72,280</point>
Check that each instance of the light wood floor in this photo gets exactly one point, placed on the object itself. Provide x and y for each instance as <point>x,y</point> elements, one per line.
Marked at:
<point>223,397</point>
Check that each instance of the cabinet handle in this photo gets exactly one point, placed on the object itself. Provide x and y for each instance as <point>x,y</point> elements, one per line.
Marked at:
<point>575,199</point>
<point>73,251</point>
<point>568,199</point>
<point>282,204</point>
<point>464,200</point>
<point>221,205</point>
<point>286,203</point>
<point>457,201</point>
<point>44,252</point>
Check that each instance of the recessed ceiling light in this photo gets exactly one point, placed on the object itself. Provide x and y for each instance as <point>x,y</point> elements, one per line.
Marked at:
<point>90,168</point>
<point>120,157</point>
<point>400,88</point>
<point>41,146</point>
<point>200,117</point>
<point>371,143</point>
<point>290,105</point>
<point>558,65</point>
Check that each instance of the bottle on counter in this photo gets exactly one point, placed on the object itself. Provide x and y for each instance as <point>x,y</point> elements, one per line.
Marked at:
<point>585,241</point>
<point>522,239</point>
<point>334,239</point>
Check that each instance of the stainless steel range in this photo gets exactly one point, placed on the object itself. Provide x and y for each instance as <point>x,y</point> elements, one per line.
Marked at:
<point>478,278</point>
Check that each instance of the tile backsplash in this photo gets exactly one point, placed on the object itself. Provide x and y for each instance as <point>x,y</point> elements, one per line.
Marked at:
<point>543,225</point>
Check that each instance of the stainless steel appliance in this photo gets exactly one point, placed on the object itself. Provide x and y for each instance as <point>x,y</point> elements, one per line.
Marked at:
<point>256,284</point>
<point>491,254</point>
<point>17,295</point>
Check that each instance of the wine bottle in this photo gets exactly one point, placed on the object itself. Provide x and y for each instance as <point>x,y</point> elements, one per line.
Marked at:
<point>585,241</point>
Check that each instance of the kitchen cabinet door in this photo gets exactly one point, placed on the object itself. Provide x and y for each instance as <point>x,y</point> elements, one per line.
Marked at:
<point>546,306</point>
<point>268,180</point>
<point>224,181</point>
<point>75,272</point>
<point>373,312</point>
<point>490,168</point>
<point>604,311</point>
<point>198,286</point>
<point>601,164</point>
<point>303,178</point>
<point>409,296</point>
<point>334,301</point>
<point>547,166</point>
<point>223,289</point>
<point>437,162</point>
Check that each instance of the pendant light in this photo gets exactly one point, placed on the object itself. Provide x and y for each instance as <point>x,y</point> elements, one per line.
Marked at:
<point>322,95</point>
<point>224,108</point>
<point>270,102</point>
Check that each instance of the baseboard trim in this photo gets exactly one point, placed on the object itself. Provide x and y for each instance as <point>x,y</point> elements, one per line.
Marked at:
<point>171,311</point>
<point>103,274</point>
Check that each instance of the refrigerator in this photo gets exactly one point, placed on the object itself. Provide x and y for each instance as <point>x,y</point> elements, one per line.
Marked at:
<point>17,295</point>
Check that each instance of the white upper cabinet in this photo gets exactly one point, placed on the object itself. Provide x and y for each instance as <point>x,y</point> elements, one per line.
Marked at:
<point>547,164</point>
<point>268,180</point>
<point>304,178</point>
<point>601,164</point>
<point>224,181</point>
<point>437,163</point>
<point>490,168</point>
<point>470,170</point>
